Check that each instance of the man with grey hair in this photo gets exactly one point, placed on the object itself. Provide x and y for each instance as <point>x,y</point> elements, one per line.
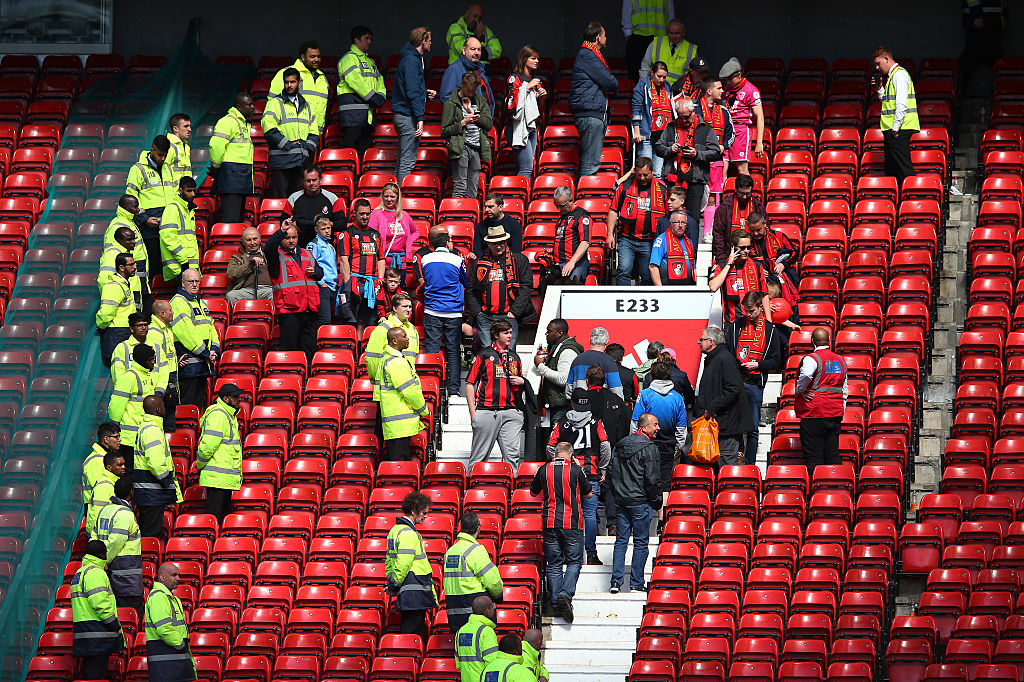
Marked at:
<point>721,395</point>
<point>572,236</point>
<point>594,357</point>
<point>654,349</point>
<point>689,145</point>
<point>247,270</point>
<point>673,255</point>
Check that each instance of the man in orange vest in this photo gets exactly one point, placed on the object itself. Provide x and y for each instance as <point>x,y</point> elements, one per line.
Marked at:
<point>294,274</point>
<point>821,392</point>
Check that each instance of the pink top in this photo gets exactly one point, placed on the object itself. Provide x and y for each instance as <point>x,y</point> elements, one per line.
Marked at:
<point>747,97</point>
<point>403,230</point>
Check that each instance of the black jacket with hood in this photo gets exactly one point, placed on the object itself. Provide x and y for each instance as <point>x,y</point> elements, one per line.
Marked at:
<point>634,473</point>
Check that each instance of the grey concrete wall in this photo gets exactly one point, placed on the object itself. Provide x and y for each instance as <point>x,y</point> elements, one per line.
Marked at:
<point>744,28</point>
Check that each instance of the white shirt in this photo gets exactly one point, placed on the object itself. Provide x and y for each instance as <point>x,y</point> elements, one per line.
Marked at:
<point>560,374</point>
<point>901,82</point>
<point>808,366</point>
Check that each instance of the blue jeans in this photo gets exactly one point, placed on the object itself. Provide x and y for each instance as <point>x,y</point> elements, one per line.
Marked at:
<point>579,271</point>
<point>525,156</point>
<point>408,145</point>
<point>635,520</point>
<point>632,253</point>
<point>754,396</point>
<point>591,132</point>
<point>646,148</point>
<point>562,548</point>
<point>483,326</point>
<point>450,330</point>
<point>590,518</point>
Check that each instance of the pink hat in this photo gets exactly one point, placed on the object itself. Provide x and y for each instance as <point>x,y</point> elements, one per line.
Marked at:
<point>670,351</point>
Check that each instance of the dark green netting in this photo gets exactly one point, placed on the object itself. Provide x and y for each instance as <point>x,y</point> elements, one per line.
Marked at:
<point>53,387</point>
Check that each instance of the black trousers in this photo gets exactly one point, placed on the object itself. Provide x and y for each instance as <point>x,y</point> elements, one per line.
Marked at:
<point>192,391</point>
<point>137,603</point>
<point>285,182</point>
<point>897,154</point>
<point>128,452</point>
<point>94,667</point>
<point>232,208</point>
<point>359,138</point>
<point>414,623</point>
<point>399,449</point>
<point>170,410</point>
<point>636,47</point>
<point>819,438</point>
<point>109,338</point>
<point>218,502</point>
<point>298,331</point>
<point>151,521</point>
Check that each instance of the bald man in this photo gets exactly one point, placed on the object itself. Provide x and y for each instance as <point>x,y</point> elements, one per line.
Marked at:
<point>167,646</point>
<point>247,270</point>
<point>533,642</point>
<point>476,643</point>
<point>403,408</point>
<point>469,60</point>
<point>821,393</point>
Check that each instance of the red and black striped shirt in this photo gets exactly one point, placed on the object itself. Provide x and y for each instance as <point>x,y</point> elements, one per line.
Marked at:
<point>490,376</point>
<point>639,208</point>
<point>363,248</point>
<point>564,485</point>
<point>497,282</point>
<point>572,228</point>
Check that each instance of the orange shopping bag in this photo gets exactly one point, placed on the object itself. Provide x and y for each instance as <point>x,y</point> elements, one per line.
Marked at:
<point>705,441</point>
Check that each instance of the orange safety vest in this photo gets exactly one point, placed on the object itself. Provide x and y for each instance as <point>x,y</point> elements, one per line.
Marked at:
<point>294,292</point>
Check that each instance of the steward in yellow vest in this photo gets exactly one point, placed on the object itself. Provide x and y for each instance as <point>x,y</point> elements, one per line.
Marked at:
<point>407,568</point>
<point>219,455</point>
<point>468,573</point>
<point>117,528</point>
<point>108,440</point>
<point>400,317</point>
<point>168,654</point>
<point>97,631</point>
<point>179,156</point>
<point>313,84</point>
<point>476,643</point>
<point>507,664</point>
<point>179,248</point>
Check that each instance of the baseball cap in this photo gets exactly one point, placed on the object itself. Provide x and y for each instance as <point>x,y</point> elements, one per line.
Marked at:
<point>698,64</point>
<point>581,400</point>
<point>229,391</point>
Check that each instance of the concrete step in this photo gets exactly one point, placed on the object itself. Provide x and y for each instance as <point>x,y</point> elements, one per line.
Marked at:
<point>597,579</point>
<point>584,655</point>
<point>624,606</point>
<point>572,672</point>
<point>592,629</point>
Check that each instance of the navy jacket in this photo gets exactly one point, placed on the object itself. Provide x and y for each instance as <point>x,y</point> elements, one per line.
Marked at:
<point>592,85</point>
<point>453,78</point>
<point>410,93</point>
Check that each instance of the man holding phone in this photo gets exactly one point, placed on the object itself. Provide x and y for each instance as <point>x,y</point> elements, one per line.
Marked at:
<point>294,274</point>
<point>899,120</point>
<point>689,145</point>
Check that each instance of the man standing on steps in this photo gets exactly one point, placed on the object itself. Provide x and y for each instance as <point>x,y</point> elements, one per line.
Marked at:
<point>533,642</point>
<point>492,387</point>
<point>821,393</point>
<point>469,573</point>
<point>476,643</point>
<point>592,451</point>
<point>565,486</point>
<point>507,665</point>
<point>407,567</point>
<point>636,485</point>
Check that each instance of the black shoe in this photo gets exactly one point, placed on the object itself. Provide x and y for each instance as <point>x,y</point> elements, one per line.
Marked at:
<point>565,608</point>
<point>594,560</point>
<point>614,588</point>
<point>644,588</point>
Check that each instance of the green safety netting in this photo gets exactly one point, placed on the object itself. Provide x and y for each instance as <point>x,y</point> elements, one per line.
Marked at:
<point>53,386</point>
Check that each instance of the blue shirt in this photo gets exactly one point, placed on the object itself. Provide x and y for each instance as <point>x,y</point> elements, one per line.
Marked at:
<point>444,283</point>
<point>325,255</point>
<point>584,361</point>
<point>659,251</point>
<point>669,409</point>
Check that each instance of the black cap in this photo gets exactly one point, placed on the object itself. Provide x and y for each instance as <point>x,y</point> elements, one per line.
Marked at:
<point>698,64</point>
<point>229,391</point>
<point>581,400</point>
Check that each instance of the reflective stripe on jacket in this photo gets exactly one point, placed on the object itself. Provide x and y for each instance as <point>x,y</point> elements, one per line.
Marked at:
<point>97,630</point>
<point>407,568</point>
<point>168,654</point>
<point>118,528</point>
<point>179,248</point>
<point>219,455</point>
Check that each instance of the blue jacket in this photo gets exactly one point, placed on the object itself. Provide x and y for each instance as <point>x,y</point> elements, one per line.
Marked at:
<point>592,85</point>
<point>444,283</point>
<point>453,78</point>
<point>325,255</point>
<point>667,405</point>
<point>641,110</point>
<point>578,372</point>
<point>410,93</point>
